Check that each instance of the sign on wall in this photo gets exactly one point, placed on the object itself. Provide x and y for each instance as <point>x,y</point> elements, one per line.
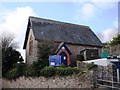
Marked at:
<point>104,54</point>
<point>54,60</point>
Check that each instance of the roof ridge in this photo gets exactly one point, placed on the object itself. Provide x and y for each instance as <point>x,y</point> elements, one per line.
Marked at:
<point>56,21</point>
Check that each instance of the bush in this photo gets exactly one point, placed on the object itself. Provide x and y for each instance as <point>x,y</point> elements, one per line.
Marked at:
<point>67,71</point>
<point>29,71</point>
<point>76,70</point>
<point>45,49</point>
<point>62,65</point>
<point>61,71</point>
<point>15,72</point>
<point>20,69</point>
<point>48,71</point>
<point>12,74</point>
<point>39,64</point>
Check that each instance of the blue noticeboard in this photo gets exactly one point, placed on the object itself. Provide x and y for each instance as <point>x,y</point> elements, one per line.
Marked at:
<point>54,60</point>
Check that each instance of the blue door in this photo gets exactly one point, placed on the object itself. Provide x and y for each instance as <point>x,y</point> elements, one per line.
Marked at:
<point>63,58</point>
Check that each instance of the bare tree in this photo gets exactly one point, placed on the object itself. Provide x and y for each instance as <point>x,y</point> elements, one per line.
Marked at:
<point>7,40</point>
<point>10,56</point>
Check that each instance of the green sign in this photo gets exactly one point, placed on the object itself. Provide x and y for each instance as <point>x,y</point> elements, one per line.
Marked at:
<point>104,54</point>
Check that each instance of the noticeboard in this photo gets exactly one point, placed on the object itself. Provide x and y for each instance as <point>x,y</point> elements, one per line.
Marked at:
<point>54,60</point>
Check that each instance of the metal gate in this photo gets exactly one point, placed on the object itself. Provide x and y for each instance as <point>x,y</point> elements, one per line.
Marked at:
<point>107,77</point>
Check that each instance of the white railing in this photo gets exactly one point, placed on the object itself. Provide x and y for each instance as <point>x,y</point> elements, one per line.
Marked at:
<point>107,83</point>
<point>107,79</point>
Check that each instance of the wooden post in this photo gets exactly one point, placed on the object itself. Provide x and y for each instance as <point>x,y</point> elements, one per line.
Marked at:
<point>95,77</point>
<point>80,65</point>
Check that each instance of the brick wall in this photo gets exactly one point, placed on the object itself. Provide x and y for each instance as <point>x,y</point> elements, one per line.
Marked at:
<point>75,49</point>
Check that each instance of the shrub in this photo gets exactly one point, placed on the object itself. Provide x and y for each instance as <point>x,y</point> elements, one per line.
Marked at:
<point>76,70</point>
<point>62,65</point>
<point>67,71</point>
<point>48,71</point>
<point>39,64</point>
<point>61,71</point>
<point>90,66</point>
<point>29,71</point>
<point>12,74</point>
<point>45,49</point>
<point>20,69</point>
<point>15,72</point>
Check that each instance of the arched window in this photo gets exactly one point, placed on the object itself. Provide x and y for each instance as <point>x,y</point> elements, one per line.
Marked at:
<point>31,46</point>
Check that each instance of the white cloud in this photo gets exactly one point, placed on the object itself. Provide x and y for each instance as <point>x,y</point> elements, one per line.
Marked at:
<point>92,9</point>
<point>15,21</point>
<point>107,34</point>
<point>86,12</point>
<point>104,5</point>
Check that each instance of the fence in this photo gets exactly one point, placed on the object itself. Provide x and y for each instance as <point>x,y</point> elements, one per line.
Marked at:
<point>112,50</point>
<point>103,76</point>
<point>115,50</point>
<point>107,77</point>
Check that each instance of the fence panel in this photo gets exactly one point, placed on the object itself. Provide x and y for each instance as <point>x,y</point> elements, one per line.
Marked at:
<point>107,77</point>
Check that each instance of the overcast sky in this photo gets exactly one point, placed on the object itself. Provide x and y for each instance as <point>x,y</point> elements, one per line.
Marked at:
<point>101,17</point>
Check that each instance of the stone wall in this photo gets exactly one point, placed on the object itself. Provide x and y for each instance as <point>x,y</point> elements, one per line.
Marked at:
<point>105,72</point>
<point>33,56</point>
<point>86,80</point>
<point>74,81</point>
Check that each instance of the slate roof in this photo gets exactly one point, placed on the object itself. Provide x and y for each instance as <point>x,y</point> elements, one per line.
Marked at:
<point>61,32</point>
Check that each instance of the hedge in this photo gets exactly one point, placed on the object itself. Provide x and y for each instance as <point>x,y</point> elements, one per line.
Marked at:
<point>12,74</point>
<point>48,71</point>
<point>60,71</point>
